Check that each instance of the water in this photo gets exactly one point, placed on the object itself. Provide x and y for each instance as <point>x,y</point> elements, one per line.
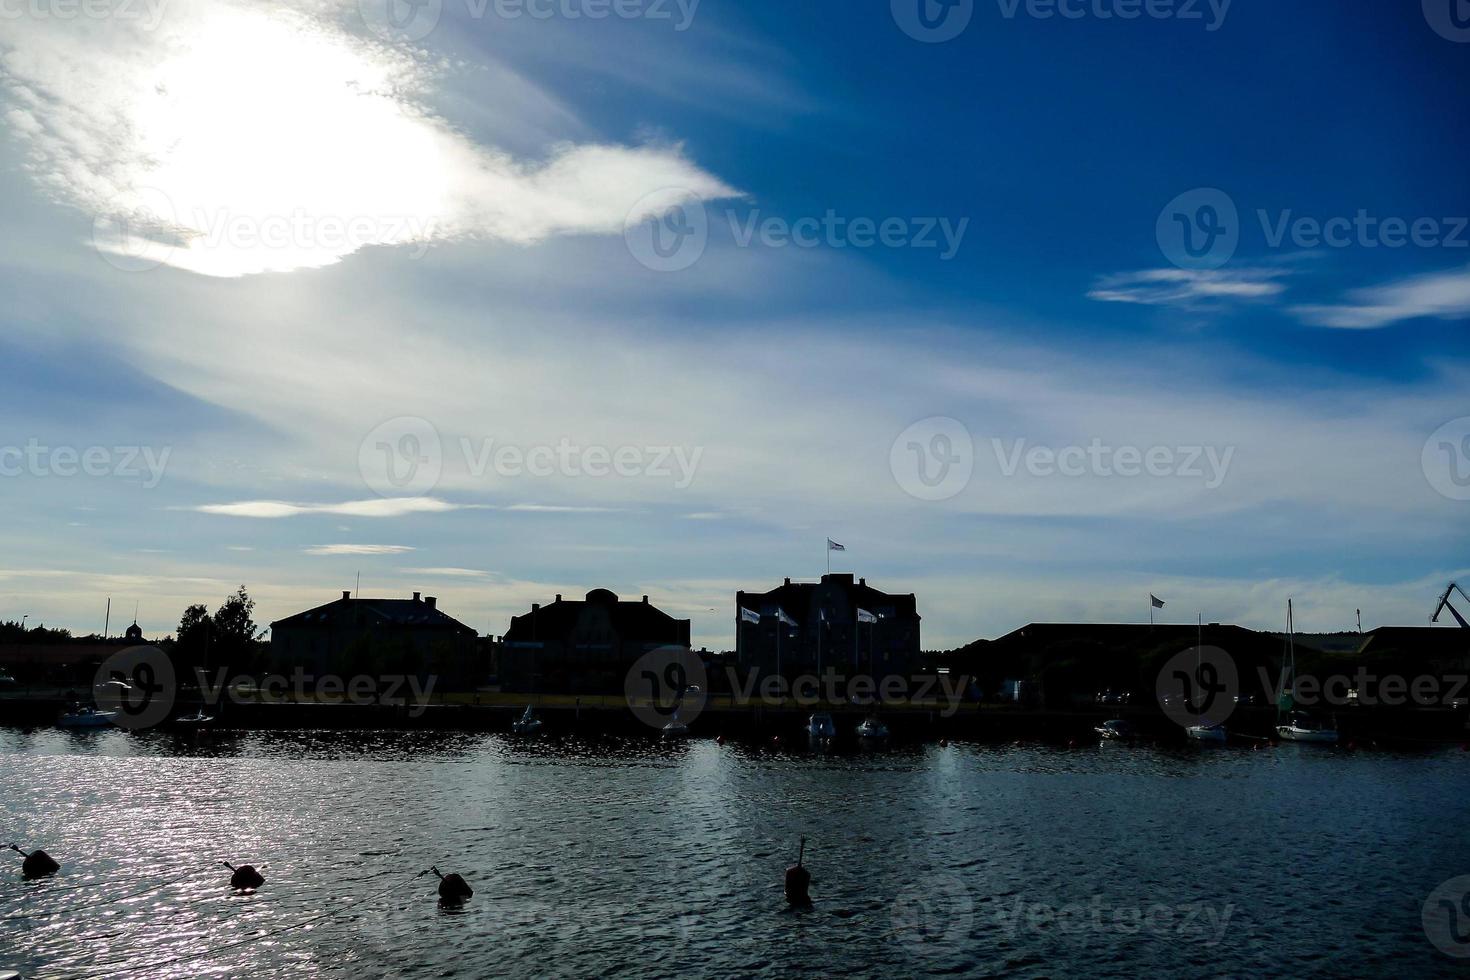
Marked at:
<point>633,858</point>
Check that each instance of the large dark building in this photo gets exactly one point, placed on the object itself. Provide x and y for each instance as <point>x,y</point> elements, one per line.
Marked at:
<point>379,636</point>
<point>584,646</point>
<point>809,627</point>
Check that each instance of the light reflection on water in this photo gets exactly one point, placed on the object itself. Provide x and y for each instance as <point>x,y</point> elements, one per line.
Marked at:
<point>652,859</point>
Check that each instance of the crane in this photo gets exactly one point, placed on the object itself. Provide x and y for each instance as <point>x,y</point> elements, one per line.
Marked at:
<point>1444,603</point>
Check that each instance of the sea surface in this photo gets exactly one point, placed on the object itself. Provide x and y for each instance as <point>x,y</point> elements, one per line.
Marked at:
<point>634,858</point>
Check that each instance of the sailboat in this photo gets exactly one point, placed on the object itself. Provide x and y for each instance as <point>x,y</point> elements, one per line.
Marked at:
<point>527,723</point>
<point>1206,734</point>
<point>1298,726</point>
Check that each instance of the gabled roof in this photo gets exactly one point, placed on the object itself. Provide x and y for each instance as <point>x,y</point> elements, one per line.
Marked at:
<point>420,613</point>
<point>632,619</point>
<point>796,599</point>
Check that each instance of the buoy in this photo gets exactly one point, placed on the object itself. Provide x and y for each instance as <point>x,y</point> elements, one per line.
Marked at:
<point>799,880</point>
<point>453,888</point>
<point>245,877</point>
<point>37,864</point>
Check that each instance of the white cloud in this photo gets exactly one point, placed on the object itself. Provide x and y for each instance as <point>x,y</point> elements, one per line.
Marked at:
<point>357,549</point>
<point>1188,288</point>
<point>240,138</point>
<point>1442,295</point>
<point>385,507</point>
<point>449,572</point>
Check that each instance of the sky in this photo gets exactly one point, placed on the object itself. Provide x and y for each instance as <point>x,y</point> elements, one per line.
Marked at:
<point>1036,306</point>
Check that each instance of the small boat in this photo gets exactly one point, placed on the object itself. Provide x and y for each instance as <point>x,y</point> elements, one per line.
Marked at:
<point>1116,730</point>
<point>527,723</point>
<point>5,679</point>
<point>1297,726</point>
<point>872,729</point>
<point>1300,727</point>
<point>821,727</point>
<point>197,720</point>
<point>79,717</point>
<point>1207,734</point>
<point>675,728</point>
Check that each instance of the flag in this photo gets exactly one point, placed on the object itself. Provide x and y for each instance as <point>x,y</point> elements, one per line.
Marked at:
<point>834,546</point>
<point>781,615</point>
<point>749,616</point>
<point>1157,602</point>
<point>866,617</point>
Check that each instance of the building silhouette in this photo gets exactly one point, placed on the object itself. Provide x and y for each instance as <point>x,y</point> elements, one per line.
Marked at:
<point>351,636</point>
<point>837,624</point>
<point>584,646</point>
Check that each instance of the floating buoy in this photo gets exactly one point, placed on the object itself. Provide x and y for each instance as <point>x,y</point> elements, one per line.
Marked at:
<point>245,877</point>
<point>453,888</point>
<point>37,864</point>
<point>799,880</point>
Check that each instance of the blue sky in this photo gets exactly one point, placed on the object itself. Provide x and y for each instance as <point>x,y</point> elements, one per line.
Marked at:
<point>262,243</point>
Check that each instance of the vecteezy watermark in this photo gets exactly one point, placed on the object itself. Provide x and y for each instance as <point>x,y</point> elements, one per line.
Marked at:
<point>1202,228</point>
<point>668,231</point>
<point>936,21</point>
<point>1209,464</point>
<point>1188,922</point>
<point>34,459</point>
<point>1364,688</point>
<point>138,687</point>
<point>148,232</point>
<point>665,686</point>
<point>1198,687</point>
<point>147,12</point>
<point>1445,459</point>
<point>1450,19</point>
<point>404,456</point>
<point>407,21</point>
<point>933,459</point>
<point>1445,917</point>
<point>933,917</point>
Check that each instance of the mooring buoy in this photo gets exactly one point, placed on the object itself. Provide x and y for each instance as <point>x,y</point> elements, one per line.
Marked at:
<point>799,880</point>
<point>453,888</point>
<point>245,877</point>
<point>37,864</point>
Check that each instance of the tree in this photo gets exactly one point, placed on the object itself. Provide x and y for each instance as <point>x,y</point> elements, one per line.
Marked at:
<point>234,633</point>
<point>191,647</point>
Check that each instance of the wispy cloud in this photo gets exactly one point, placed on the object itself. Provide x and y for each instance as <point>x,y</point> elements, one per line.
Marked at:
<point>560,509</point>
<point>448,572</point>
<point>198,142</point>
<point>1441,295</point>
<point>357,549</point>
<point>385,507</point>
<point>1188,288</point>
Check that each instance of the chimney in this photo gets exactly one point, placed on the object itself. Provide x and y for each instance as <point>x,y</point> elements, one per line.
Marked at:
<point>645,600</point>
<point>558,597</point>
<point>415,597</point>
<point>535,607</point>
<point>862,581</point>
<point>347,593</point>
<point>430,600</point>
<point>788,581</point>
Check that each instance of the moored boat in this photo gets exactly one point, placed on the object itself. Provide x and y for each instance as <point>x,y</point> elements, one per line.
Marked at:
<point>527,723</point>
<point>872,729</point>
<point>1207,734</point>
<point>1116,730</point>
<point>80,717</point>
<point>820,727</point>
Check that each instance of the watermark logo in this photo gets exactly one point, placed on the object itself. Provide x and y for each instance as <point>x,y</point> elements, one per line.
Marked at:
<point>934,917</point>
<point>1446,459</point>
<point>402,457</point>
<point>1208,464</point>
<point>1199,229</point>
<point>1198,686</point>
<point>667,230</point>
<point>149,12</point>
<point>139,236</point>
<point>136,685</point>
<point>1446,917</point>
<point>665,685</point>
<point>1450,19</point>
<point>932,21</point>
<point>933,459</point>
<point>402,21</point>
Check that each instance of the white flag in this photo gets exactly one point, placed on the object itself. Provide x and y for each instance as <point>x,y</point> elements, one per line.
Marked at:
<point>781,615</point>
<point>749,616</point>
<point>866,617</point>
<point>834,546</point>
